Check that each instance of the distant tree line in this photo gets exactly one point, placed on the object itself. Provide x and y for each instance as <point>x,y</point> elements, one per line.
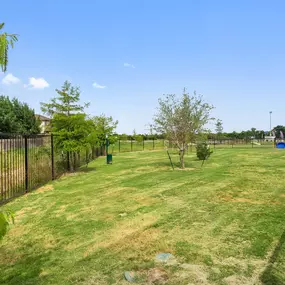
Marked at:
<point>139,137</point>
<point>252,133</point>
<point>218,135</point>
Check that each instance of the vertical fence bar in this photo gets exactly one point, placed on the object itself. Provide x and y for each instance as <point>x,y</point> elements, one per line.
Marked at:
<point>26,164</point>
<point>9,158</point>
<point>153,143</point>
<point>5,169</point>
<point>2,171</point>
<point>119,145</point>
<point>131,144</point>
<point>143,143</point>
<point>52,157</point>
<point>17,163</point>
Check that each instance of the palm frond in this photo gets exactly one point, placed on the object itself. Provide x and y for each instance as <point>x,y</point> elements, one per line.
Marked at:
<point>6,41</point>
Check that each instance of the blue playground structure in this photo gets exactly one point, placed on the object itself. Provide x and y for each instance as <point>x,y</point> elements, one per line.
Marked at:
<point>280,145</point>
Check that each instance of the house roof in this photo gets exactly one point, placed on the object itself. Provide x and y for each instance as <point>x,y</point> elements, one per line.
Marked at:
<point>42,118</point>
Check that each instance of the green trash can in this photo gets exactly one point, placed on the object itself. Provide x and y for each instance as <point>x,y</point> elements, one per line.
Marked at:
<point>109,158</point>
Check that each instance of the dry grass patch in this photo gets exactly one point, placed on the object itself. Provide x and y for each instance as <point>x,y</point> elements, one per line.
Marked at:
<point>124,231</point>
<point>44,189</point>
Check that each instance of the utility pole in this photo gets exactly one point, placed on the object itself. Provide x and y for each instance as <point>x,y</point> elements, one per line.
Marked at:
<point>270,113</point>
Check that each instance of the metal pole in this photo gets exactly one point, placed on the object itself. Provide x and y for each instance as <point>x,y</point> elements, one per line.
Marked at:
<point>119,145</point>
<point>26,164</point>
<point>153,144</point>
<point>131,144</point>
<point>143,143</point>
<point>270,113</point>
<point>52,158</point>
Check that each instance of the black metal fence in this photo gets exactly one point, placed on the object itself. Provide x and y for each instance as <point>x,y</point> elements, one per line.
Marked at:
<point>243,143</point>
<point>137,145</point>
<point>27,162</point>
<point>156,144</point>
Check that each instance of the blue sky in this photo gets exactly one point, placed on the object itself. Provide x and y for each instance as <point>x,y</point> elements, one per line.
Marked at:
<point>232,52</point>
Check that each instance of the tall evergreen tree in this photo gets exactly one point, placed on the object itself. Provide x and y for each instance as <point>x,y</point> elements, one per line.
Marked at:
<point>68,120</point>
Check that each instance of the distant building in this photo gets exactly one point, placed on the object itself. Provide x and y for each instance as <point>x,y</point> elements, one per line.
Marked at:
<point>45,123</point>
<point>269,138</point>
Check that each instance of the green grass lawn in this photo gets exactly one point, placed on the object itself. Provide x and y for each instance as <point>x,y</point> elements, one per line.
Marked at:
<point>224,223</point>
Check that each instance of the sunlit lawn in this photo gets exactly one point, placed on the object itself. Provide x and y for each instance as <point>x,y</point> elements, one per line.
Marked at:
<point>222,222</point>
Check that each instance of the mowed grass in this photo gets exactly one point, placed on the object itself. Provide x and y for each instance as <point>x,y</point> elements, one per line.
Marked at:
<point>224,222</point>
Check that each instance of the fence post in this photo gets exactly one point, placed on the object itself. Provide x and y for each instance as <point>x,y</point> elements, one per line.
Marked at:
<point>153,143</point>
<point>131,144</point>
<point>52,157</point>
<point>143,143</point>
<point>26,164</point>
<point>119,145</point>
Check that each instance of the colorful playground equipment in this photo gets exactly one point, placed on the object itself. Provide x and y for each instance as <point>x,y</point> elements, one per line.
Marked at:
<point>280,145</point>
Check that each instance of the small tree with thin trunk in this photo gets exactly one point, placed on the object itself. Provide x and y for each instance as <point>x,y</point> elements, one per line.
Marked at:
<point>182,119</point>
<point>219,128</point>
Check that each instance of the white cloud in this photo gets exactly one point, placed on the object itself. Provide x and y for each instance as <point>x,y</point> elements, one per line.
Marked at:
<point>128,65</point>
<point>37,83</point>
<point>10,79</point>
<point>96,85</point>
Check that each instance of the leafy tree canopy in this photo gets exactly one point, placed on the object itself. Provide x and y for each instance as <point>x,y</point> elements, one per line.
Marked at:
<point>103,127</point>
<point>182,119</point>
<point>17,117</point>
<point>6,41</point>
<point>68,119</point>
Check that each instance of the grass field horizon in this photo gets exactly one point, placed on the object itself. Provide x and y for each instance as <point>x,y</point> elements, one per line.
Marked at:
<point>224,223</point>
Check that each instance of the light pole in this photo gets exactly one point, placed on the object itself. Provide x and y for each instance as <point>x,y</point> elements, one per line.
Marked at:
<point>270,113</point>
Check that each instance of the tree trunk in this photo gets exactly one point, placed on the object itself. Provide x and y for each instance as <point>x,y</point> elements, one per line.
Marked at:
<point>74,161</point>
<point>68,161</point>
<point>182,152</point>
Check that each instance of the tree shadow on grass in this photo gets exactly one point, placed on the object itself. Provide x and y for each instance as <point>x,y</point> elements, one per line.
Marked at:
<point>274,273</point>
<point>26,270</point>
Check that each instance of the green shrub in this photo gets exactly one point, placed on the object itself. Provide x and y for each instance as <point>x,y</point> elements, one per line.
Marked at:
<point>6,217</point>
<point>203,151</point>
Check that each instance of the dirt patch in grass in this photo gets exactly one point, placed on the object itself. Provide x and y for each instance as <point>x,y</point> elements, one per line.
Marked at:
<point>197,273</point>
<point>157,275</point>
<point>44,189</point>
